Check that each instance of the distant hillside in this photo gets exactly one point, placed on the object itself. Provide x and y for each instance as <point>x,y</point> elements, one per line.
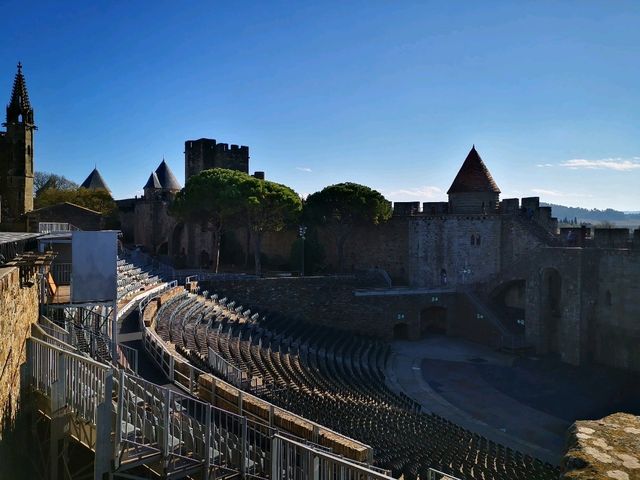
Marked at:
<point>595,216</point>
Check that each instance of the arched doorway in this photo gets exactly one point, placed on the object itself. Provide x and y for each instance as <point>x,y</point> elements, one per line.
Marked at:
<point>204,259</point>
<point>176,239</point>
<point>163,249</point>
<point>433,320</point>
<point>401,331</point>
<point>551,298</point>
<point>508,300</point>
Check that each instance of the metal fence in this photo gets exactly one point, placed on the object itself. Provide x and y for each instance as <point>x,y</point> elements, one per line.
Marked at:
<point>78,383</point>
<point>61,273</point>
<point>127,358</point>
<point>186,377</point>
<point>154,425</point>
<point>228,371</point>
<point>55,227</point>
<point>292,460</point>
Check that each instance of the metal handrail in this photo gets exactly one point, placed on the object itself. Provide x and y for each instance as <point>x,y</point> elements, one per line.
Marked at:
<point>433,474</point>
<point>165,360</point>
<point>289,455</point>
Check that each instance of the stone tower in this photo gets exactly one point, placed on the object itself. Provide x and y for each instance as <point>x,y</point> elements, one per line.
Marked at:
<point>206,153</point>
<point>473,190</point>
<point>162,184</point>
<point>16,153</point>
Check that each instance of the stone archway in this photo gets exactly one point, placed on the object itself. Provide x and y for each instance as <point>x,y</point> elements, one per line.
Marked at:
<point>433,320</point>
<point>204,259</point>
<point>551,307</point>
<point>401,331</point>
<point>163,249</point>
<point>177,236</point>
<point>508,300</point>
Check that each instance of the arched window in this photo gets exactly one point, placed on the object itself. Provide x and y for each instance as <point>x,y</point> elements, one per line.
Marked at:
<point>473,240</point>
<point>607,298</point>
<point>478,240</point>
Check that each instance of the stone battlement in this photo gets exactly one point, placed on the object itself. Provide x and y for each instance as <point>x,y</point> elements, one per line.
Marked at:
<point>206,153</point>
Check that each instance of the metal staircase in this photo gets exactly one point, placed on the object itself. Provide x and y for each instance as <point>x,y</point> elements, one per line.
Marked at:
<point>136,428</point>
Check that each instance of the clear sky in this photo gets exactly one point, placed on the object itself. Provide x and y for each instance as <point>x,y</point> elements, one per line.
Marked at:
<point>388,94</point>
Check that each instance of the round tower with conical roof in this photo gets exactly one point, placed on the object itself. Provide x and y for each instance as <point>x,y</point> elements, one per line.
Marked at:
<point>473,190</point>
<point>95,181</point>
<point>162,183</point>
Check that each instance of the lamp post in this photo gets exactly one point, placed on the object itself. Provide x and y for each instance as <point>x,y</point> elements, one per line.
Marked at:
<point>302,229</point>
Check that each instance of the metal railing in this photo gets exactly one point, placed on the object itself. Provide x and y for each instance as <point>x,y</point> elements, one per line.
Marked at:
<point>173,430</point>
<point>155,426</point>
<point>434,474</point>
<point>127,358</point>
<point>187,379</point>
<point>56,227</point>
<point>228,371</point>
<point>72,381</point>
<point>292,460</point>
<point>61,273</point>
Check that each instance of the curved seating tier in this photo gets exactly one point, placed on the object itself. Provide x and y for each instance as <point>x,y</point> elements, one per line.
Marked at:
<point>337,380</point>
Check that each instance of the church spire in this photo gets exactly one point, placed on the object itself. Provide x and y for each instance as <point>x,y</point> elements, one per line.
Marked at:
<point>19,108</point>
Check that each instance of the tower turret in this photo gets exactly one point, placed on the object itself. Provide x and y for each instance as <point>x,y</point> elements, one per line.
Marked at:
<point>473,190</point>
<point>95,181</point>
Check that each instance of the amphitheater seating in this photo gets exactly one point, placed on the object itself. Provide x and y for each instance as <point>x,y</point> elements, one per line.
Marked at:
<point>132,280</point>
<point>336,380</point>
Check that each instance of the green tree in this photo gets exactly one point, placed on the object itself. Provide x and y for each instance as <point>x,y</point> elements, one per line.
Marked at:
<point>45,180</point>
<point>212,198</point>
<point>341,207</point>
<point>98,200</point>
<point>269,207</point>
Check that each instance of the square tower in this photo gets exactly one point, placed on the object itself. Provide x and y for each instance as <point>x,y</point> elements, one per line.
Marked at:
<point>206,153</point>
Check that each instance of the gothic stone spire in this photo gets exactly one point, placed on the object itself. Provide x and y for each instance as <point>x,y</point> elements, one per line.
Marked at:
<point>19,107</point>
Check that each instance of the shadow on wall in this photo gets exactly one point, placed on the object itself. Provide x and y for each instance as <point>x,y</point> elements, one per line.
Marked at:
<point>433,320</point>
<point>16,433</point>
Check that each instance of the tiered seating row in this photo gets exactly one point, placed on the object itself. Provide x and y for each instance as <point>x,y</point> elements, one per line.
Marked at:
<point>132,279</point>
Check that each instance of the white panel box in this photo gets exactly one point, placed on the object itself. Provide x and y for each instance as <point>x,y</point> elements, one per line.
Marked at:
<point>94,266</point>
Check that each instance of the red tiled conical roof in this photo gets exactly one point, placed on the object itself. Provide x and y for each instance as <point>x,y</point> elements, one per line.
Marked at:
<point>473,176</point>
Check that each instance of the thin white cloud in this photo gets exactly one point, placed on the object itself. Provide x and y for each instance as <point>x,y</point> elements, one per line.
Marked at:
<point>544,165</point>
<point>304,169</point>
<point>555,193</point>
<point>616,164</point>
<point>419,192</point>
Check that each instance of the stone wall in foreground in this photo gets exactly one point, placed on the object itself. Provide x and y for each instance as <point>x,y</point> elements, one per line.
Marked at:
<point>18,310</point>
<point>608,448</point>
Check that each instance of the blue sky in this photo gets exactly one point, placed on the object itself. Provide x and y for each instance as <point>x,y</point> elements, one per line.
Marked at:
<point>389,94</point>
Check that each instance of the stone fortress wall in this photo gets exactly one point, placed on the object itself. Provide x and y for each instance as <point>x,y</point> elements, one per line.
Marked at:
<point>18,311</point>
<point>508,251</point>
